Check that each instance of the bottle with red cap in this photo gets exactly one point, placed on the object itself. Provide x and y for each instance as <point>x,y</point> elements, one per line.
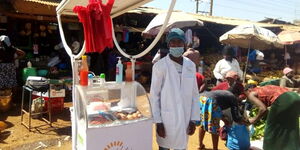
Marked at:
<point>128,76</point>
<point>84,71</point>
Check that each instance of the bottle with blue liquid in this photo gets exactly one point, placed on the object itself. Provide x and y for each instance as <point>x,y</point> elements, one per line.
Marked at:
<point>119,71</point>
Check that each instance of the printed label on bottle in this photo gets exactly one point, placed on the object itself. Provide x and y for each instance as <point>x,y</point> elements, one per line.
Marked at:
<point>117,71</point>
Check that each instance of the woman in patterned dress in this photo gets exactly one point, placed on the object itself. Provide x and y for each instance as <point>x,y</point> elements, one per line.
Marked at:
<point>7,57</point>
<point>211,106</point>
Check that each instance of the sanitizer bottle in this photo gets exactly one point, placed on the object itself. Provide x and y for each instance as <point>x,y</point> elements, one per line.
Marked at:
<point>119,71</point>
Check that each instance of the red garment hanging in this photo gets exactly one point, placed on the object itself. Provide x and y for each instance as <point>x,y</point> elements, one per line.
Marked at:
<point>85,20</point>
<point>97,25</point>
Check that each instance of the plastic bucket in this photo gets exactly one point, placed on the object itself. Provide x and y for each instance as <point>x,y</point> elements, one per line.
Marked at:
<point>5,102</point>
<point>28,72</point>
<point>42,72</point>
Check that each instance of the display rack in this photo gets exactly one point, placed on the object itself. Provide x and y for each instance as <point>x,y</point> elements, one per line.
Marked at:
<point>114,133</point>
<point>125,116</point>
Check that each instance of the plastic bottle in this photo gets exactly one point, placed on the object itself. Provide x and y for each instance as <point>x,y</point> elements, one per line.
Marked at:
<point>90,77</point>
<point>128,77</point>
<point>84,71</point>
<point>29,64</point>
<point>29,71</point>
<point>102,79</point>
<point>119,71</point>
<point>201,68</point>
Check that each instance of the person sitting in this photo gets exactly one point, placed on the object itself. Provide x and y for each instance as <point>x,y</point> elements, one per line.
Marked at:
<point>288,80</point>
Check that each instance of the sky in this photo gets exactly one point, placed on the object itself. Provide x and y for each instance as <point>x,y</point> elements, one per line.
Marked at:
<point>287,10</point>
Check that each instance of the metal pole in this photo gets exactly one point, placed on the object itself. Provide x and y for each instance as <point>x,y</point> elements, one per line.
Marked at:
<point>197,6</point>
<point>285,53</point>
<point>211,7</point>
<point>246,65</point>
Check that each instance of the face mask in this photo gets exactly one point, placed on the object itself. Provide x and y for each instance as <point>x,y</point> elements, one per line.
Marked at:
<point>176,51</point>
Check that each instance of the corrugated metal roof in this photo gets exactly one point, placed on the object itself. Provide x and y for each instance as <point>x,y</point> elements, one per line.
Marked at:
<point>53,3</point>
<point>218,20</point>
<point>30,7</point>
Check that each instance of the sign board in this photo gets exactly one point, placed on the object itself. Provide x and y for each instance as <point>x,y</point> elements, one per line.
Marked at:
<point>133,136</point>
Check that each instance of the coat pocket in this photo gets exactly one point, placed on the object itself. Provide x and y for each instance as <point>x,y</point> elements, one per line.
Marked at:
<point>187,84</point>
<point>168,118</point>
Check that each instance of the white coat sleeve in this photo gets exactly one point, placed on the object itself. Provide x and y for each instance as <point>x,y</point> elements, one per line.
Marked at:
<point>240,72</point>
<point>195,113</point>
<point>217,71</point>
<point>156,58</point>
<point>155,92</point>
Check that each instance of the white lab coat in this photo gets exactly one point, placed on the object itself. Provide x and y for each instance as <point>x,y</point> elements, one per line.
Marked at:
<point>174,100</point>
<point>223,66</point>
<point>156,58</point>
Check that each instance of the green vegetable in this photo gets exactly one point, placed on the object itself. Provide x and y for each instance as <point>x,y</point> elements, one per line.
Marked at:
<point>259,127</point>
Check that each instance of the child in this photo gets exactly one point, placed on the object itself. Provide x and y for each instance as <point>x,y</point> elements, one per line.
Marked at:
<point>238,137</point>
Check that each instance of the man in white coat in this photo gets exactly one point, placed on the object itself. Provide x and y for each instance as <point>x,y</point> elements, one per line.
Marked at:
<point>228,63</point>
<point>174,95</point>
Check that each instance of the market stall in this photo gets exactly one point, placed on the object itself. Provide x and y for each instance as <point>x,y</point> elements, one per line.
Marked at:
<point>291,39</point>
<point>109,115</point>
<point>251,37</point>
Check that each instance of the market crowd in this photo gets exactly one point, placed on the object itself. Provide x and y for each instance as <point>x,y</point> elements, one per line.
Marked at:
<point>181,101</point>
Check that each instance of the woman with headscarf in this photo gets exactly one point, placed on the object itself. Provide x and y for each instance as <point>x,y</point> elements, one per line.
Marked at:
<point>282,125</point>
<point>288,80</point>
<point>7,57</point>
<point>228,63</point>
<point>231,81</point>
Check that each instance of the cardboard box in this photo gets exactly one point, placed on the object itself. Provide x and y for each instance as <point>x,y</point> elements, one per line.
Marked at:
<point>57,104</point>
<point>53,93</point>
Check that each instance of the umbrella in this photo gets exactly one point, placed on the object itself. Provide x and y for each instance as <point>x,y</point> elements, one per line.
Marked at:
<point>289,37</point>
<point>251,36</point>
<point>177,20</point>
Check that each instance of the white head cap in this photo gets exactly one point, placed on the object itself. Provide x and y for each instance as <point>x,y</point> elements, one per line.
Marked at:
<point>5,39</point>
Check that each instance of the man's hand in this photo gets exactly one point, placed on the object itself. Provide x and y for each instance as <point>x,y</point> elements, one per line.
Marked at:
<point>191,128</point>
<point>160,129</point>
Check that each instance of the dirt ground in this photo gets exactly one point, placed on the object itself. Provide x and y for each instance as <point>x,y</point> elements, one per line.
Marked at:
<point>17,136</point>
<point>57,137</point>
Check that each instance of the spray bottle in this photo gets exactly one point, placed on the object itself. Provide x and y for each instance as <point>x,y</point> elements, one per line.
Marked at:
<point>119,71</point>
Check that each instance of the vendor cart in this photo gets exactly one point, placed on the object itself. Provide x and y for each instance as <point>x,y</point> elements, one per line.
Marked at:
<point>112,115</point>
<point>108,118</point>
